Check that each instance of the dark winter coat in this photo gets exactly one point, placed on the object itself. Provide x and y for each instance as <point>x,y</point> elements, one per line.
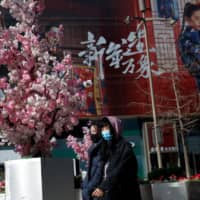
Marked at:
<point>94,172</point>
<point>121,182</point>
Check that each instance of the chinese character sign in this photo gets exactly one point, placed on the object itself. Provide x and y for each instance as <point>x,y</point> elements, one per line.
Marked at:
<point>119,55</point>
<point>94,51</point>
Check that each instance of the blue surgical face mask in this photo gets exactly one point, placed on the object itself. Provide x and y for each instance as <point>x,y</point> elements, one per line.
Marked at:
<point>106,135</point>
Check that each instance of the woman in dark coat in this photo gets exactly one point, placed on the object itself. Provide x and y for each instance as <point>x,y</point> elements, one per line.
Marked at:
<point>95,165</point>
<point>120,170</point>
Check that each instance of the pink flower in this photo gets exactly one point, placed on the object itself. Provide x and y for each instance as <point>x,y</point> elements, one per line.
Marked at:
<point>2,186</point>
<point>74,120</point>
<point>40,6</point>
<point>61,27</point>
<point>31,123</point>
<point>26,77</point>
<point>59,67</point>
<point>80,147</point>
<point>10,105</point>
<point>67,60</point>
<point>51,105</point>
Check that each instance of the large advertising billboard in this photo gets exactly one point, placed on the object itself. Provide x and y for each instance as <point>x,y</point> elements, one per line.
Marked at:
<point>110,38</point>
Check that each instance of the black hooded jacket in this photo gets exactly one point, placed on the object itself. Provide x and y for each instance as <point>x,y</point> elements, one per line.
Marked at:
<point>120,182</point>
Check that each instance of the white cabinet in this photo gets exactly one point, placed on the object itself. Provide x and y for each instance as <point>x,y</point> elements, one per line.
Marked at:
<point>40,179</point>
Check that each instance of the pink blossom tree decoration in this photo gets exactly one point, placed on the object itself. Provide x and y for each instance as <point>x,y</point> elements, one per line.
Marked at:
<point>40,95</point>
<point>80,146</point>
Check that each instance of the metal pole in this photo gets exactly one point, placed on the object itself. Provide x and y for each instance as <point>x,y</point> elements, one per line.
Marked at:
<point>152,97</point>
<point>147,148</point>
<point>99,78</point>
<point>176,141</point>
<point>185,152</point>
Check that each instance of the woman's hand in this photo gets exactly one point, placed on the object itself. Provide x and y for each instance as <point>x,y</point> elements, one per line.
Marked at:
<point>98,193</point>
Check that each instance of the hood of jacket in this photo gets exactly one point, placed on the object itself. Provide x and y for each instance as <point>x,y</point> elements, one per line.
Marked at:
<point>116,124</point>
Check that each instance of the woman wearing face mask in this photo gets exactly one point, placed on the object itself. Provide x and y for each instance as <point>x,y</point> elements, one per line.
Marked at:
<point>95,164</point>
<point>120,169</point>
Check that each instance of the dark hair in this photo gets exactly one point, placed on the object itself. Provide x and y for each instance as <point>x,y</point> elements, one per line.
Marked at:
<point>188,11</point>
<point>93,123</point>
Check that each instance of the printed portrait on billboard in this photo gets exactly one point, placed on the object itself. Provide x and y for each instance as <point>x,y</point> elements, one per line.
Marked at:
<point>189,40</point>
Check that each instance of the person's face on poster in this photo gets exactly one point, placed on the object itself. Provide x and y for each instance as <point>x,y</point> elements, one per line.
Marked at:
<point>194,20</point>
